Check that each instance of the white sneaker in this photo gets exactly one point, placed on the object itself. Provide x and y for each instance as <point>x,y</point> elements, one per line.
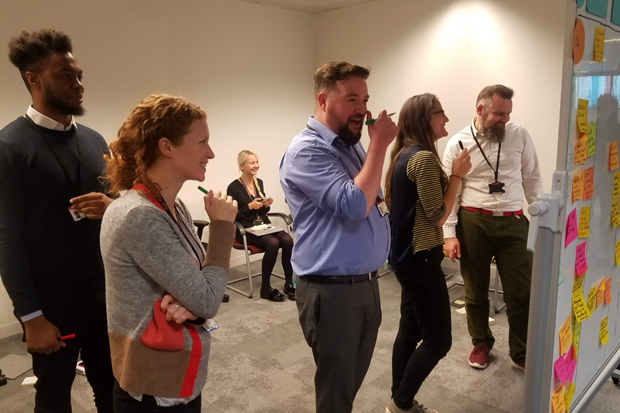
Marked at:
<point>79,368</point>
<point>418,408</point>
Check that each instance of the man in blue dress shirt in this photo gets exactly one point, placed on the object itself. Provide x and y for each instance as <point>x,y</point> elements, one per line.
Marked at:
<point>343,236</point>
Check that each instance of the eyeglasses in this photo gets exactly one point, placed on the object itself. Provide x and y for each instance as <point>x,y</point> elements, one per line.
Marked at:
<point>435,113</point>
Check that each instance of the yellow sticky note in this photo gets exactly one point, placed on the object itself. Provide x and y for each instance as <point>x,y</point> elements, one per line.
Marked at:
<point>576,325</point>
<point>565,336</point>
<point>557,401</point>
<point>588,183</point>
<point>592,299</point>
<point>615,213</point>
<point>568,395</point>
<point>580,308</point>
<point>578,187</point>
<point>591,139</point>
<point>612,160</point>
<point>582,117</point>
<point>615,190</point>
<point>584,223</point>
<point>581,150</point>
<point>604,334</point>
<point>617,252</point>
<point>599,44</point>
<point>600,294</point>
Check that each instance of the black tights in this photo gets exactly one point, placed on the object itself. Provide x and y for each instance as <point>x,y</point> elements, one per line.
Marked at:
<point>271,244</point>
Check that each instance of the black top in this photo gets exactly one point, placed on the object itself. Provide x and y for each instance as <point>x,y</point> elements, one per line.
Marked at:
<point>402,212</point>
<point>245,215</point>
<point>46,258</point>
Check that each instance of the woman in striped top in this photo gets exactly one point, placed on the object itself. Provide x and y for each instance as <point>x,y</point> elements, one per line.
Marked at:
<point>420,196</point>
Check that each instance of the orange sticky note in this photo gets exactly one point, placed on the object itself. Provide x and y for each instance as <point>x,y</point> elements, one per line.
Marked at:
<point>558,401</point>
<point>612,160</point>
<point>565,336</point>
<point>599,44</point>
<point>583,229</point>
<point>588,183</point>
<point>579,41</point>
<point>578,187</point>
<point>608,291</point>
<point>581,150</point>
<point>604,333</point>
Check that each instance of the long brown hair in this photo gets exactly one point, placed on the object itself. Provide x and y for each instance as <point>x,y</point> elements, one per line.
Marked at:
<point>415,129</point>
<point>137,147</point>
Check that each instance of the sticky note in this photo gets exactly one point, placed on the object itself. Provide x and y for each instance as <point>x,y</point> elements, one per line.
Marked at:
<point>600,294</point>
<point>557,401</point>
<point>570,232</point>
<point>568,395</point>
<point>615,213</point>
<point>560,366</point>
<point>599,43</point>
<point>581,150</point>
<point>584,222</point>
<point>604,334</point>
<point>608,291</point>
<point>592,299</point>
<point>577,187</point>
<point>612,160</point>
<point>581,264</point>
<point>588,183</point>
<point>576,326</point>
<point>579,40</point>
<point>582,118</point>
<point>597,8</point>
<point>580,307</point>
<point>591,139</point>
<point>565,336</point>
<point>615,190</point>
<point>617,253</point>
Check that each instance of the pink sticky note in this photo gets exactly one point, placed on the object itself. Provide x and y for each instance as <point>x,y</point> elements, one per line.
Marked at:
<point>561,370</point>
<point>580,259</point>
<point>571,228</point>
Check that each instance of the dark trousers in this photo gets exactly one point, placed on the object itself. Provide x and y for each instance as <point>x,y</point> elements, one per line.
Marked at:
<point>271,244</point>
<point>124,403</point>
<point>86,319</point>
<point>481,237</point>
<point>424,316</point>
<point>340,323</point>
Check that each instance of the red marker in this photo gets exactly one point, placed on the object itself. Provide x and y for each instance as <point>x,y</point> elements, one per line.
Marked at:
<point>67,337</point>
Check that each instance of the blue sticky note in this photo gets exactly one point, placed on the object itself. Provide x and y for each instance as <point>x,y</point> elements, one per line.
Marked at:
<point>580,3</point>
<point>597,7</point>
<point>615,12</point>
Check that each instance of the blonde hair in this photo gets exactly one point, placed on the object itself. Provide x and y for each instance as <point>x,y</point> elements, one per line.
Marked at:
<point>241,159</point>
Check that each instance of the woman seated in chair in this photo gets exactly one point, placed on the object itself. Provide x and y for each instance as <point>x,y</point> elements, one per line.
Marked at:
<point>249,193</point>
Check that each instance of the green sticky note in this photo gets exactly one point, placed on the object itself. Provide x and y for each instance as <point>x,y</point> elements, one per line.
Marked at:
<point>592,139</point>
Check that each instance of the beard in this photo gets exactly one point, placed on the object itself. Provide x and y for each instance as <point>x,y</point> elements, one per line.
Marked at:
<point>496,133</point>
<point>58,104</point>
<point>349,137</point>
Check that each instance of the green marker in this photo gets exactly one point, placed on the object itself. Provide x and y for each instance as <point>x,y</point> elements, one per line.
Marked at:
<point>371,121</point>
<point>201,189</point>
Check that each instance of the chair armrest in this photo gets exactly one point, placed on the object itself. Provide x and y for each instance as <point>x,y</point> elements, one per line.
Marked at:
<point>200,225</point>
<point>287,219</point>
<point>240,228</point>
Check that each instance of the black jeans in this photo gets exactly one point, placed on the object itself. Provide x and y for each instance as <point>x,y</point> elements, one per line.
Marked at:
<point>424,315</point>
<point>124,403</point>
<point>86,319</point>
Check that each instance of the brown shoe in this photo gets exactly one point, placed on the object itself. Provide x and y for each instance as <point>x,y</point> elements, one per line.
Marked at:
<point>478,357</point>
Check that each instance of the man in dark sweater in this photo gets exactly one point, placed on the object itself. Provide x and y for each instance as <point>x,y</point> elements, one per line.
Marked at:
<point>51,205</point>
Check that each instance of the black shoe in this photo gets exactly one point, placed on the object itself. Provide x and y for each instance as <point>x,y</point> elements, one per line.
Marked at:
<point>289,291</point>
<point>273,295</point>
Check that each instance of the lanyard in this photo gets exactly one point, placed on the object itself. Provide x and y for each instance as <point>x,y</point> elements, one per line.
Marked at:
<point>40,129</point>
<point>247,190</point>
<point>159,201</point>
<point>499,150</point>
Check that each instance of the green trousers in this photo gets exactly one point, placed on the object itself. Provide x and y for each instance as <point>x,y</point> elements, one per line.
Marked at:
<point>481,238</point>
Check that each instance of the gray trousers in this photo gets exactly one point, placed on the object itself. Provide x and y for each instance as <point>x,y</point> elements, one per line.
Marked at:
<point>340,323</point>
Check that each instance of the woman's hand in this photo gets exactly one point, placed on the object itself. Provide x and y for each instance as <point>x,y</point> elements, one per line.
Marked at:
<point>462,164</point>
<point>175,311</point>
<point>267,202</point>
<point>220,207</point>
<point>255,204</point>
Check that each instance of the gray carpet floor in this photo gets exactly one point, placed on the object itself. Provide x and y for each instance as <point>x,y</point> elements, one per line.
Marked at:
<point>261,363</point>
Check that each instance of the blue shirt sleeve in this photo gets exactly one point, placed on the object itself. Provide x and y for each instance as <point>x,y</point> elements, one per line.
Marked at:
<point>317,171</point>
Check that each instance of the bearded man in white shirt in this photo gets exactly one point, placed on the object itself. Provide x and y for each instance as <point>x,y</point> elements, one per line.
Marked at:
<point>487,220</point>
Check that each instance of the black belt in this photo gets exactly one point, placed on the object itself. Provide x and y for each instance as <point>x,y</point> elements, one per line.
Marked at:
<point>339,279</point>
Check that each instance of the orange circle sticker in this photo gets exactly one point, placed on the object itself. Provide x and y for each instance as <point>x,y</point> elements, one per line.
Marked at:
<point>579,41</point>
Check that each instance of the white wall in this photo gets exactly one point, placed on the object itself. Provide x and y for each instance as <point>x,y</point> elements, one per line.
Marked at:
<point>249,66</point>
<point>453,49</point>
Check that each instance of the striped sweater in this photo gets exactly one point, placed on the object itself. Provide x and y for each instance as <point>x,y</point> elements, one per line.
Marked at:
<point>146,256</point>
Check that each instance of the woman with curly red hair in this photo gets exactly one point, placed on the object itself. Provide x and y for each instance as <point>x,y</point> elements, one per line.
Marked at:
<point>161,286</point>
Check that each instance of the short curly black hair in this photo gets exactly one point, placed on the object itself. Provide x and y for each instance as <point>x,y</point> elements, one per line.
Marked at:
<point>29,51</point>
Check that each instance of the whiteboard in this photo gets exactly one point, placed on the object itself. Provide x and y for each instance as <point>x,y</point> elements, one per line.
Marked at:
<point>599,84</point>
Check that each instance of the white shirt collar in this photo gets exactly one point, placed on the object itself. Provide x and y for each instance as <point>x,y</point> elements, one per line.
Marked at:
<point>47,122</point>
